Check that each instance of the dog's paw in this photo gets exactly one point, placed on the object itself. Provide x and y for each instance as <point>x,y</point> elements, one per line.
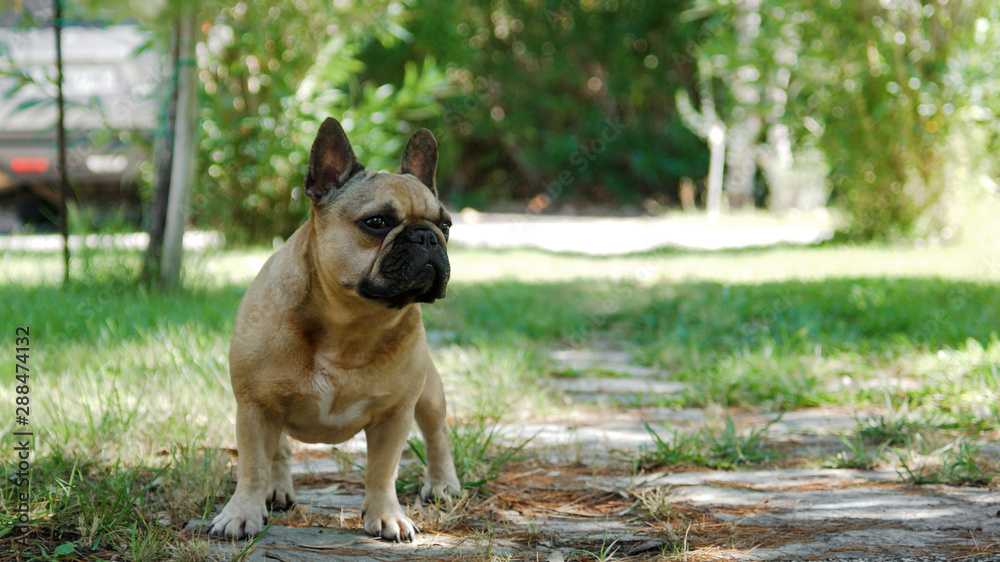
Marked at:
<point>391,525</point>
<point>280,497</point>
<point>239,520</point>
<point>440,491</point>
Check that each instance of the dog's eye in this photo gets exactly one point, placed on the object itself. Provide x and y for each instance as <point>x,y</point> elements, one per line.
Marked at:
<point>378,222</point>
<point>445,229</point>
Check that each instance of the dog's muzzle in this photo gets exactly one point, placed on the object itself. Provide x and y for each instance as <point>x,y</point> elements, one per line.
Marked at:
<point>416,269</point>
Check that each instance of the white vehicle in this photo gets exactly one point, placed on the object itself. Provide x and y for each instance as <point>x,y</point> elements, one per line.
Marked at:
<point>109,87</point>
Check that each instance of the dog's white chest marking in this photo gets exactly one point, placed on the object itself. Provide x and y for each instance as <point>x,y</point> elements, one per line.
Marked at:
<point>326,394</point>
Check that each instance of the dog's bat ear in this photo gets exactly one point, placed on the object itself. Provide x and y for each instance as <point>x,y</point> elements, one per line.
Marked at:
<point>420,158</point>
<point>331,161</point>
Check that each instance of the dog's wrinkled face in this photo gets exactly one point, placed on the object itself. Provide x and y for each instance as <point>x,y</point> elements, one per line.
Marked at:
<point>379,236</point>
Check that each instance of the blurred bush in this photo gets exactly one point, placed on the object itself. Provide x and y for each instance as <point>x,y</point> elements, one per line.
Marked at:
<point>574,99</point>
<point>881,88</point>
<point>571,103</point>
<point>884,84</point>
<point>565,99</point>
<point>270,73</point>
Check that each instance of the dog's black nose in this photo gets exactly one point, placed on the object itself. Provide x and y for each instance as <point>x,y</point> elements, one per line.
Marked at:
<point>421,235</point>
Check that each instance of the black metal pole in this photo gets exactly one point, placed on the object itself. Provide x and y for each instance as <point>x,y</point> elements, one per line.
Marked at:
<point>61,132</point>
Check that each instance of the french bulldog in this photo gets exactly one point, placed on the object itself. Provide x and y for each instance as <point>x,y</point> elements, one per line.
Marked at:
<point>329,340</point>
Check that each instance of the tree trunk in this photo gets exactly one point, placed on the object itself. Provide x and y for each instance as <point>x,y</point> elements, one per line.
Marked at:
<point>708,126</point>
<point>742,161</point>
<point>183,162</point>
<point>777,161</point>
<point>776,158</point>
<point>164,160</point>
<point>745,130</point>
<point>716,161</point>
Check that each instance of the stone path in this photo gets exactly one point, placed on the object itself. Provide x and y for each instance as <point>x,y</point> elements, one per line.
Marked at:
<point>578,498</point>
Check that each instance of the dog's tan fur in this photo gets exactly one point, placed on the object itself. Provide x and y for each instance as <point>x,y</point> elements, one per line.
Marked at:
<point>314,359</point>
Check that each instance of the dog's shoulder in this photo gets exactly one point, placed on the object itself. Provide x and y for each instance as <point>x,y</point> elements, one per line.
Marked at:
<point>282,283</point>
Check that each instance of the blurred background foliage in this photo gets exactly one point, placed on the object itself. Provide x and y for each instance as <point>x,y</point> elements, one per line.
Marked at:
<point>550,87</point>
<point>880,87</point>
<point>571,104</point>
<point>270,73</point>
<point>868,106</point>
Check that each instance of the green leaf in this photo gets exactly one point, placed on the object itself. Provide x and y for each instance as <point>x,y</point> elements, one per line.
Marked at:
<point>34,102</point>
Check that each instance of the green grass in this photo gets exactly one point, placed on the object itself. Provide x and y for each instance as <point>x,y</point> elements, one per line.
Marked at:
<point>132,410</point>
<point>958,462</point>
<point>928,448</point>
<point>858,454</point>
<point>480,453</point>
<point>722,447</point>
<point>776,345</point>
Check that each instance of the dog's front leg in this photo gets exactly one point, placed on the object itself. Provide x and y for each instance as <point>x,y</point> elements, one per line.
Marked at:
<point>281,492</point>
<point>257,441</point>
<point>441,482</point>
<point>381,511</point>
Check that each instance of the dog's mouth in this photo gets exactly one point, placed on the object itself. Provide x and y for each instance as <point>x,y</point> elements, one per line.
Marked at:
<point>408,277</point>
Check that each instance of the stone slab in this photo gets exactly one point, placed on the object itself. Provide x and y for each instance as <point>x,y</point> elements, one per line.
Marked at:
<point>614,361</point>
<point>309,544</point>
<point>905,520</point>
<point>872,544</point>
<point>596,439</point>
<point>611,386</point>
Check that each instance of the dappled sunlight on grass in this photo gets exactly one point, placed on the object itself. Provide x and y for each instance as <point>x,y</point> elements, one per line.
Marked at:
<point>124,373</point>
<point>969,250</point>
<point>953,261</point>
<point>130,401</point>
<point>494,380</point>
<point>808,339</point>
